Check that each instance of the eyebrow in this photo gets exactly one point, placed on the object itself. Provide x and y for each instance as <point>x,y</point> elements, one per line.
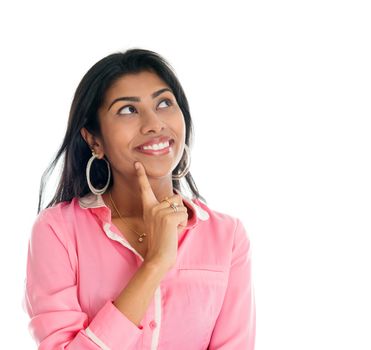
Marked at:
<point>137,99</point>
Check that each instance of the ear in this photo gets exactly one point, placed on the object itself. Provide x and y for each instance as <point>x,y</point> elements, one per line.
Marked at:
<point>93,142</point>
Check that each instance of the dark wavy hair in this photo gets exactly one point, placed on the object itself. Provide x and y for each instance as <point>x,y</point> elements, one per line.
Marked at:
<point>87,99</point>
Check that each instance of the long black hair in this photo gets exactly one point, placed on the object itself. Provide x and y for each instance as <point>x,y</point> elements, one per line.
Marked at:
<point>87,99</point>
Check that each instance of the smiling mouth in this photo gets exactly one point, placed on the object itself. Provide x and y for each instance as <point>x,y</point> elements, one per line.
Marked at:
<point>154,152</point>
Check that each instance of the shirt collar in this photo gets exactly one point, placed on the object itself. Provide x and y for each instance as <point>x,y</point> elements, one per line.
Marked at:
<point>96,202</point>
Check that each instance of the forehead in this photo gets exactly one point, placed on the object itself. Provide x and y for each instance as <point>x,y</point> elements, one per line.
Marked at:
<point>141,84</point>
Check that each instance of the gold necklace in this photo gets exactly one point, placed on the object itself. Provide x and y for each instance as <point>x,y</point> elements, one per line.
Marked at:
<point>141,235</point>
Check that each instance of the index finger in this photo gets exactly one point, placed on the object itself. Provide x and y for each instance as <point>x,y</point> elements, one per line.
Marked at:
<point>148,197</point>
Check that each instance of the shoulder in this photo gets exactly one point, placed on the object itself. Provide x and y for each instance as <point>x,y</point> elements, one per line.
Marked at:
<point>221,220</point>
<point>224,233</point>
<point>55,221</point>
<point>51,239</point>
<point>59,212</point>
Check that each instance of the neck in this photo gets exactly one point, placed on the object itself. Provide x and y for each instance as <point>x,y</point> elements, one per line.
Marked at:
<point>127,196</point>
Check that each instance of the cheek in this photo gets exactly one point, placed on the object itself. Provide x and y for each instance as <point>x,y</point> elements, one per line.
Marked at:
<point>179,127</point>
<point>117,141</point>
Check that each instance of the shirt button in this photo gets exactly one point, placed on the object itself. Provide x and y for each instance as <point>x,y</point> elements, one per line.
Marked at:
<point>153,324</point>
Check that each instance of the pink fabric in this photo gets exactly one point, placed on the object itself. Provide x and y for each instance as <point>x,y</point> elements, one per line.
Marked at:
<point>78,263</point>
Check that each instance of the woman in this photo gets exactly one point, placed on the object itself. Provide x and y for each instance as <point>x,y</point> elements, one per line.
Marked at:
<point>121,258</point>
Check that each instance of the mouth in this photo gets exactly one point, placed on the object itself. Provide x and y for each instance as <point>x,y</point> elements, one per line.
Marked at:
<point>157,149</point>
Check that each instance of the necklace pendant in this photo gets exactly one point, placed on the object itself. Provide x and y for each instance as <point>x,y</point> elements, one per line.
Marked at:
<point>140,239</point>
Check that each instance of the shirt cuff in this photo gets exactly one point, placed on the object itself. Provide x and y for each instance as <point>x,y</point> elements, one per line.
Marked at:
<point>111,329</point>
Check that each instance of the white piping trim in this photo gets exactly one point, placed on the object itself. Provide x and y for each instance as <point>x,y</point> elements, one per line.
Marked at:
<point>91,200</point>
<point>95,339</point>
<point>119,239</point>
<point>158,311</point>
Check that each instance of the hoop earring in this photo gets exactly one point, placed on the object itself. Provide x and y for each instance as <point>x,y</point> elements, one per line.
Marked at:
<point>88,166</point>
<point>186,168</point>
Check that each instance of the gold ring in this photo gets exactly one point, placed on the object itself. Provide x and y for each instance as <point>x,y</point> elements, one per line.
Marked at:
<point>174,206</point>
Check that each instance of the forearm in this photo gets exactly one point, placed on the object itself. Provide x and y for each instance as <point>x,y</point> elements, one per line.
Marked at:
<point>135,298</point>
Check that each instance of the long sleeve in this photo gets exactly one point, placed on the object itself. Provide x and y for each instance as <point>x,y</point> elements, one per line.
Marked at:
<point>236,322</point>
<point>51,298</point>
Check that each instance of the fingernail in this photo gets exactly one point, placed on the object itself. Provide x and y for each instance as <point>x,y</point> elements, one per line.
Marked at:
<point>136,165</point>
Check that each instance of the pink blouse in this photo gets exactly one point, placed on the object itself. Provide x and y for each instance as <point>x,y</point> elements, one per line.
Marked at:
<point>78,263</point>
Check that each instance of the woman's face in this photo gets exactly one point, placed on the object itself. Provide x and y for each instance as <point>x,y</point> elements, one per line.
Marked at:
<point>146,113</point>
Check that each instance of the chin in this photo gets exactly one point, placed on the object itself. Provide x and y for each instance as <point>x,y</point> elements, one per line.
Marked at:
<point>158,174</point>
<point>157,169</point>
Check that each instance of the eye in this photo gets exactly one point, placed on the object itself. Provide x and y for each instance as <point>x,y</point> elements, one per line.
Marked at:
<point>132,108</point>
<point>166,100</point>
<point>128,106</point>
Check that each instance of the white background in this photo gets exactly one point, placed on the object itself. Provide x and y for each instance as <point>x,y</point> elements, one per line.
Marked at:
<point>279,93</point>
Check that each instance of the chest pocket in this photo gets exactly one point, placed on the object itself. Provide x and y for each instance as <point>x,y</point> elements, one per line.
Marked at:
<point>194,295</point>
<point>206,277</point>
<point>202,275</point>
<point>202,267</point>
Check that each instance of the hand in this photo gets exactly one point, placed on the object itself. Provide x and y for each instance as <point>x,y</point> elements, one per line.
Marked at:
<point>161,222</point>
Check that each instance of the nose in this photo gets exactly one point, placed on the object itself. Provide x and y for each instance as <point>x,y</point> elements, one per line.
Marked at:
<point>151,122</point>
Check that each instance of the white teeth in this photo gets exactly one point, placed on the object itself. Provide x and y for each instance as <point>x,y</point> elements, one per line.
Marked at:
<point>157,146</point>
